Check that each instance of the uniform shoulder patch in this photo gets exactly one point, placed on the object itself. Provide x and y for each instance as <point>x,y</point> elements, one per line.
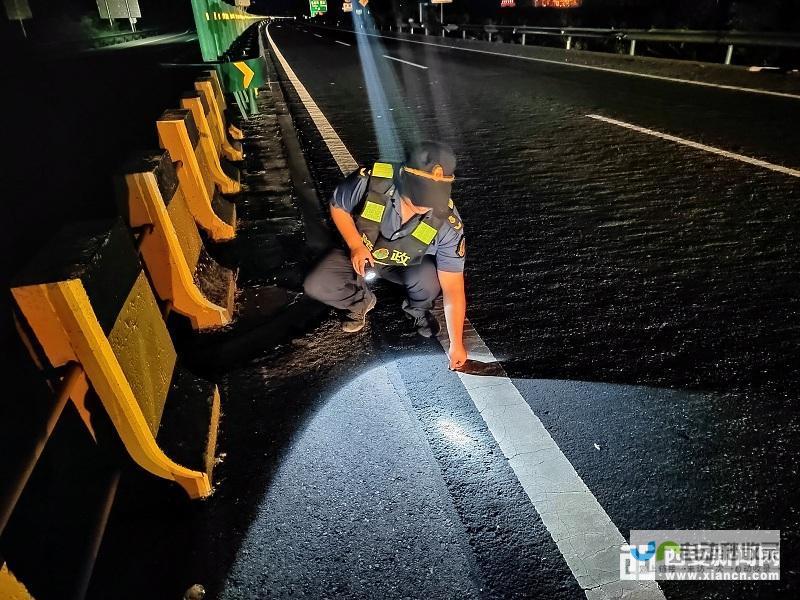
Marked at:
<point>462,247</point>
<point>455,222</point>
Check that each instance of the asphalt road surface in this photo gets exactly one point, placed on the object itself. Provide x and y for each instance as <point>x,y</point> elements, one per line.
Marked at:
<point>640,293</point>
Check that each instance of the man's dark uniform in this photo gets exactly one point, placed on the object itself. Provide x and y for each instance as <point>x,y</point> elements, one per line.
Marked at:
<point>406,254</point>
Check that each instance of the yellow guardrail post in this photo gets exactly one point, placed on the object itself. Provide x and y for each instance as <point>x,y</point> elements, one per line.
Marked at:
<point>119,340</point>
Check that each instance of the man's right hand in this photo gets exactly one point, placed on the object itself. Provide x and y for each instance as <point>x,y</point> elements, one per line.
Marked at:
<point>359,256</point>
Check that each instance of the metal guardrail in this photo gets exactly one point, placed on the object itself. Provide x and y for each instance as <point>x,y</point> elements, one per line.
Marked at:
<point>120,37</point>
<point>110,38</point>
<point>728,39</point>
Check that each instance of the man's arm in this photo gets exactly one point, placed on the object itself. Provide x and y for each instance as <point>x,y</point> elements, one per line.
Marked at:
<point>455,311</point>
<point>359,254</point>
<point>345,198</point>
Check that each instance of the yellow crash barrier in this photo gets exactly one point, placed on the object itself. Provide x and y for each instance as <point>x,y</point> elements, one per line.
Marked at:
<point>235,132</point>
<point>228,183</point>
<point>178,134</point>
<point>88,302</point>
<point>230,150</point>
<point>10,587</point>
<point>181,270</point>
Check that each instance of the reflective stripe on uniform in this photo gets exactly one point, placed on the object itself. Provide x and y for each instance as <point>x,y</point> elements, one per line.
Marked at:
<point>424,232</point>
<point>373,211</point>
<point>383,170</point>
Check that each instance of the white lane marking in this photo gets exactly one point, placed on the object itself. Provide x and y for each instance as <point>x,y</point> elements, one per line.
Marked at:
<point>317,35</point>
<point>405,61</point>
<point>580,527</point>
<point>596,68</point>
<point>342,43</point>
<point>673,138</point>
<point>341,154</point>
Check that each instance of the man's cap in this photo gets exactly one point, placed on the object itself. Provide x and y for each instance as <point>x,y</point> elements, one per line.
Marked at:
<point>427,176</point>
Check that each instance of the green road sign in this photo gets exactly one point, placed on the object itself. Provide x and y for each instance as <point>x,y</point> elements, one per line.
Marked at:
<point>318,7</point>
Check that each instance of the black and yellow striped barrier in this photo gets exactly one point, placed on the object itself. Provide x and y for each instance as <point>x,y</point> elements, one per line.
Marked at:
<point>181,270</point>
<point>89,304</point>
<point>224,175</point>
<point>179,135</point>
<point>230,149</point>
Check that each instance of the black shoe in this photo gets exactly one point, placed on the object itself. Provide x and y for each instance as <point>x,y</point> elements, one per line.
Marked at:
<point>426,324</point>
<point>355,321</point>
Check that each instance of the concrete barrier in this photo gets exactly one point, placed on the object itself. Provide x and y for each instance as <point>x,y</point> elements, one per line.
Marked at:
<point>229,149</point>
<point>180,268</point>
<point>89,304</point>
<point>178,134</point>
<point>226,176</point>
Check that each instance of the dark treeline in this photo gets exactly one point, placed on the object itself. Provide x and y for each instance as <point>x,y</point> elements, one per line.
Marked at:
<point>55,20</point>
<point>753,15</point>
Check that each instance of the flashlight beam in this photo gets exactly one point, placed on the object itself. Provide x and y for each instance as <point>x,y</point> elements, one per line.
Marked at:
<point>405,61</point>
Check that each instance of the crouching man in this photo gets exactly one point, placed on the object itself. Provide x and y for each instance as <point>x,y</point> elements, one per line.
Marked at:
<point>400,223</point>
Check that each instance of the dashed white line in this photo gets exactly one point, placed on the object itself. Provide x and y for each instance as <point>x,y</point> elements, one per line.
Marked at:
<point>698,146</point>
<point>580,527</point>
<point>342,43</point>
<point>405,61</point>
<point>317,35</point>
<point>721,86</point>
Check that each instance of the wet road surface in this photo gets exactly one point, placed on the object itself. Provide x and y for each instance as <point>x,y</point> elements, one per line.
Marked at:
<point>597,254</point>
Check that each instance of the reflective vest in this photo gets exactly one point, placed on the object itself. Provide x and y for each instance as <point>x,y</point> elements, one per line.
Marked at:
<point>407,250</point>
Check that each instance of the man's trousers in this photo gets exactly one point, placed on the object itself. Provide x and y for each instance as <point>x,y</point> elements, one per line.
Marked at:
<point>334,282</point>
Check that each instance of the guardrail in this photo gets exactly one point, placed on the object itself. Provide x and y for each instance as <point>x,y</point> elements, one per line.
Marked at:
<point>105,346</point>
<point>727,39</point>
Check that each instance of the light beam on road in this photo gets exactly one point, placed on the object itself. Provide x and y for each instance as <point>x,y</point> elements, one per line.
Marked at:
<point>379,82</point>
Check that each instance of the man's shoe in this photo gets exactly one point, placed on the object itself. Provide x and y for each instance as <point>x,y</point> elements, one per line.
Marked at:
<point>355,321</point>
<point>426,324</point>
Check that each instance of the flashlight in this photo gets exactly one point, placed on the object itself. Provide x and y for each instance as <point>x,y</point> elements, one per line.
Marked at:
<point>369,275</point>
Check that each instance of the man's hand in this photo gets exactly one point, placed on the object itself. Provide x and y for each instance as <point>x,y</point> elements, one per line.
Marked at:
<point>458,356</point>
<point>359,256</point>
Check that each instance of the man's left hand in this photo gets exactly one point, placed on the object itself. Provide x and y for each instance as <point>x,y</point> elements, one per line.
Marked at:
<point>458,356</point>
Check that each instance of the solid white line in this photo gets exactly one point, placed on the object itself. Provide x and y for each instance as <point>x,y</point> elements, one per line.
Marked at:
<point>580,527</point>
<point>342,43</point>
<point>578,524</point>
<point>596,68</point>
<point>405,61</point>
<point>341,154</point>
<point>672,138</point>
